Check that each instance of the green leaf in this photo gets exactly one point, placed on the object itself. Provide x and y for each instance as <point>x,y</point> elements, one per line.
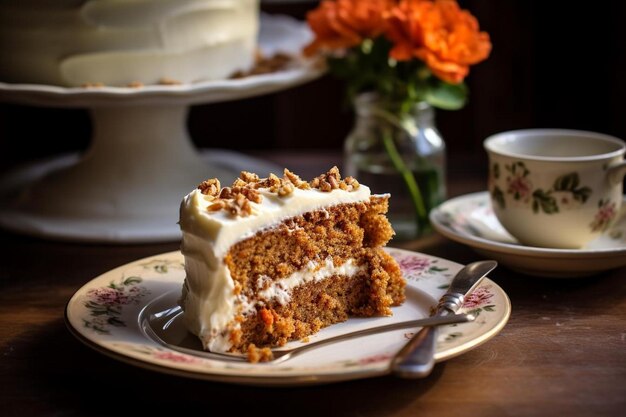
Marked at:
<point>132,280</point>
<point>567,182</point>
<point>114,321</point>
<point>498,196</point>
<point>98,312</point>
<point>582,194</point>
<point>447,96</point>
<point>475,312</point>
<point>544,201</point>
<point>496,170</point>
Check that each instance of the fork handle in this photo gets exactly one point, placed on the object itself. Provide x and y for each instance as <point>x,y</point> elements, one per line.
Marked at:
<point>417,358</point>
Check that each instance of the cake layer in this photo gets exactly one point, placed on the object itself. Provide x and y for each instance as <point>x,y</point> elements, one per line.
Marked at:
<point>117,42</point>
<point>217,231</point>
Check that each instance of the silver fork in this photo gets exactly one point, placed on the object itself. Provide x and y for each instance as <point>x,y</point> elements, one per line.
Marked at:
<point>280,356</point>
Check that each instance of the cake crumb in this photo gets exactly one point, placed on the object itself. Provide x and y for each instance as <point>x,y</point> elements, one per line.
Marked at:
<point>169,81</point>
<point>92,85</point>
<point>267,65</point>
<point>256,354</point>
<point>135,84</point>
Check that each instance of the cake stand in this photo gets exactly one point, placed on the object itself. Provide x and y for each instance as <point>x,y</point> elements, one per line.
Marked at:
<point>127,187</point>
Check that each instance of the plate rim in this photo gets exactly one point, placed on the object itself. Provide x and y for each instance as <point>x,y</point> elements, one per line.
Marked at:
<point>275,380</point>
<point>503,247</point>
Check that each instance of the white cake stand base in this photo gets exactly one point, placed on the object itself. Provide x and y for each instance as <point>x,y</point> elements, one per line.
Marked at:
<point>128,186</point>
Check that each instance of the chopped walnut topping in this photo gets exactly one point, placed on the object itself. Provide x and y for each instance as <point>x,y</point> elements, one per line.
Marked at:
<point>210,187</point>
<point>239,206</point>
<point>252,195</point>
<point>239,183</point>
<point>332,181</point>
<point>249,177</point>
<point>237,199</point>
<point>351,183</point>
<point>295,180</point>
<point>217,205</point>
<point>334,184</point>
<point>272,182</point>
<point>240,199</point>
<point>246,192</point>
<point>285,189</point>
<point>227,192</point>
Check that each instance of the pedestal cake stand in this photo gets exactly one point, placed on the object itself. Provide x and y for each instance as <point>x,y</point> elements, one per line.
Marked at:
<point>127,187</point>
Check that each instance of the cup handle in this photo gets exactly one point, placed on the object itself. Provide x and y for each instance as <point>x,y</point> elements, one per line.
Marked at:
<point>617,172</point>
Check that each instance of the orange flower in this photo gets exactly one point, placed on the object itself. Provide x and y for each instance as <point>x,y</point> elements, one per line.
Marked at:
<point>345,23</point>
<point>439,33</point>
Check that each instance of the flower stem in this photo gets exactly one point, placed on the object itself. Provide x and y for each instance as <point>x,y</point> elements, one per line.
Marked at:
<point>407,176</point>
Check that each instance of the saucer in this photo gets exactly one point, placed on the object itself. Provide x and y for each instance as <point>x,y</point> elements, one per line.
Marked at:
<point>469,219</point>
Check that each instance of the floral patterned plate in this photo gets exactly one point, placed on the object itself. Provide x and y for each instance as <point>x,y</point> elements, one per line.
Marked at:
<point>115,314</point>
<point>469,219</point>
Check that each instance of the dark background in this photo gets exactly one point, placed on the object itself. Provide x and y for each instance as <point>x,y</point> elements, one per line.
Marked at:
<point>554,64</point>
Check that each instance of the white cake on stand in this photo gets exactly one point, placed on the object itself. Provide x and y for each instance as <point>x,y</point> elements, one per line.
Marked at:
<point>128,186</point>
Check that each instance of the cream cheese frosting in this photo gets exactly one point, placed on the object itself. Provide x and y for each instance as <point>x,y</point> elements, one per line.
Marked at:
<point>116,42</point>
<point>208,299</point>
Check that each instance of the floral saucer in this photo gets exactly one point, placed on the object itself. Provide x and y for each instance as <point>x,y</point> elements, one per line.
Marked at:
<point>470,220</point>
<point>119,313</point>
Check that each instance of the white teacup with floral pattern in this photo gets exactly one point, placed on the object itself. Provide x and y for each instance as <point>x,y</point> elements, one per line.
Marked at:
<point>555,188</point>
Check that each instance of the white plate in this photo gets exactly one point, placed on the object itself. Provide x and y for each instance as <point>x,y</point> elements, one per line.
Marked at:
<point>111,314</point>
<point>470,220</point>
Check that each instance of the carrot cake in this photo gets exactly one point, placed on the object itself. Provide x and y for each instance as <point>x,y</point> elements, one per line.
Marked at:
<point>269,260</point>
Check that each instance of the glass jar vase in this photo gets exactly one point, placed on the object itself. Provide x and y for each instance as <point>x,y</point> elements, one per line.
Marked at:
<point>398,151</point>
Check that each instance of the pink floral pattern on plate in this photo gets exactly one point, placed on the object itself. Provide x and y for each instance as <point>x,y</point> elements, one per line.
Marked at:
<point>416,267</point>
<point>105,304</point>
<point>479,301</point>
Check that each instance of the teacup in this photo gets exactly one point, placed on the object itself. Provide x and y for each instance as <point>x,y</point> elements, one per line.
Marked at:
<point>555,188</point>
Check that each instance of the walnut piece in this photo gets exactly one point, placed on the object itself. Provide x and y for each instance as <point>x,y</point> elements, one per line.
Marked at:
<point>328,181</point>
<point>295,180</point>
<point>210,187</point>
<point>332,181</point>
<point>249,177</point>
<point>217,205</point>
<point>285,189</point>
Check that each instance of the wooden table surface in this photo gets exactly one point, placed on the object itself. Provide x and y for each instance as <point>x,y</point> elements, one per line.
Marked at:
<point>562,353</point>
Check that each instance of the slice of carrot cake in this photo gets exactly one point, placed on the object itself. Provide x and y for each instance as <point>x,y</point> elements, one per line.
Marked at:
<point>269,260</point>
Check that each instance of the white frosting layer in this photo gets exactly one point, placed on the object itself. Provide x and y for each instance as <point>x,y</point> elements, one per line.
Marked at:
<point>208,298</point>
<point>115,42</point>
<point>281,290</point>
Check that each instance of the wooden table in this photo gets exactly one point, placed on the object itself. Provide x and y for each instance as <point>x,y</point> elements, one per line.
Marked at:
<point>563,352</point>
